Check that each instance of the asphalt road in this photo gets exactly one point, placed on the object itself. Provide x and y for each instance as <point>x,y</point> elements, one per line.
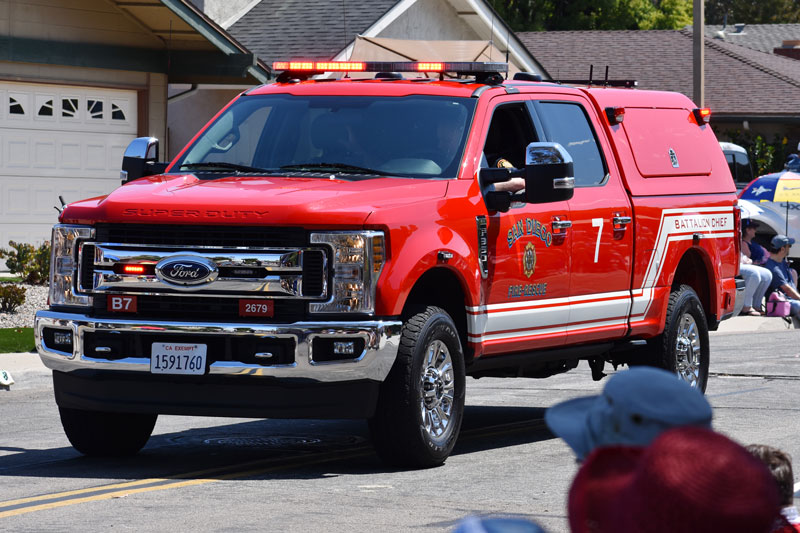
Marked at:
<point>208,474</point>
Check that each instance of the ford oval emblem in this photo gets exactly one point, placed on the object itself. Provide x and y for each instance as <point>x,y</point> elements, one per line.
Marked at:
<point>186,270</point>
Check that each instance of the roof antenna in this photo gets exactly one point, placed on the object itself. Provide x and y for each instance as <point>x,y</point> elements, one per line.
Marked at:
<point>344,33</point>
<point>605,82</point>
<point>491,39</point>
<point>344,24</point>
<point>508,45</point>
<point>591,70</point>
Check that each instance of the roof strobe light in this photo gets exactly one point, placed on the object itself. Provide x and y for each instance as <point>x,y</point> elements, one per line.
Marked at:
<point>389,66</point>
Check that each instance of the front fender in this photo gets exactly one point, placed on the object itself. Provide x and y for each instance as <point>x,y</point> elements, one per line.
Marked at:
<point>414,254</point>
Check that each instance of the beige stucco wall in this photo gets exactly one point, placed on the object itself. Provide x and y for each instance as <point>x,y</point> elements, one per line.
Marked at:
<point>430,19</point>
<point>88,21</point>
<point>188,115</point>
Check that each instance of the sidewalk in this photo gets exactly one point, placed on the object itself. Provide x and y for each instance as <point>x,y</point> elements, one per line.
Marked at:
<point>749,324</point>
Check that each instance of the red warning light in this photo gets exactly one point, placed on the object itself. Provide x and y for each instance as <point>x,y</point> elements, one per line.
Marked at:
<point>430,67</point>
<point>702,115</point>
<point>339,66</point>
<point>615,115</point>
<point>133,269</point>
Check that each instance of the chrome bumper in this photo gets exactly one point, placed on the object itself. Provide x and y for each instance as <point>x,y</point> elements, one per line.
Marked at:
<point>381,344</point>
<point>738,301</point>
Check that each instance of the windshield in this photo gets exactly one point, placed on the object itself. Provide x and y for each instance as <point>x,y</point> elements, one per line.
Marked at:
<point>415,136</point>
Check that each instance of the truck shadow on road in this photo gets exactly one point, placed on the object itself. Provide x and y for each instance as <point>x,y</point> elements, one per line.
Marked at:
<point>270,448</point>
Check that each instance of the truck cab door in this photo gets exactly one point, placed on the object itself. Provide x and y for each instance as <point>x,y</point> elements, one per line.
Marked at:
<point>601,231</point>
<point>526,286</point>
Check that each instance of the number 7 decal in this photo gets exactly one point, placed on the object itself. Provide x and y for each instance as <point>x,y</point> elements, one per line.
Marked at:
<point>597,223</point>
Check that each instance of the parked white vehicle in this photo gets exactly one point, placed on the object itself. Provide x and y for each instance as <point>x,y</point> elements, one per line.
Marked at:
<point>739,163</point>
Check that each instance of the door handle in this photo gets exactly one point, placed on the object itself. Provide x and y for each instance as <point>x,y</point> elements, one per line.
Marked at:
<point>622,220</point>
<point>562,224</point>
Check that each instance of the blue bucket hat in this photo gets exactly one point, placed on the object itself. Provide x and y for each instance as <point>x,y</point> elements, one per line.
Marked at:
<point>635,406</point>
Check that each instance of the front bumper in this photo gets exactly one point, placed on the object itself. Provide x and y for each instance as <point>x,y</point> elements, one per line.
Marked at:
<point>380,344</point>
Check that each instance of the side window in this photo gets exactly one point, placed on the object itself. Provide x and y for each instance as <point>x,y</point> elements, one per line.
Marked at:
<point>744,173</point>
<point>568,125</point>
<point>510,132</point>
<point>731,165</point>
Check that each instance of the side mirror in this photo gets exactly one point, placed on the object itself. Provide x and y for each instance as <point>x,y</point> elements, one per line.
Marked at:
<point>141,159</point>
<point>549,173</point>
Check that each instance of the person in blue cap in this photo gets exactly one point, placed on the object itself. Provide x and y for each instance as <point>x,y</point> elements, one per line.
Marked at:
<point>635,406</point>
<point>784,278</point>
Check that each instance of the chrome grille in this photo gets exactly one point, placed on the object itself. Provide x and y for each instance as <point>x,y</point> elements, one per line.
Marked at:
<point>296,272</point>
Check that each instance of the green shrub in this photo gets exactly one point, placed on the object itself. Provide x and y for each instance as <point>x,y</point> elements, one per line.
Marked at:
<point>766,157</point>
<point>30,262</point>
<point>11,297</point>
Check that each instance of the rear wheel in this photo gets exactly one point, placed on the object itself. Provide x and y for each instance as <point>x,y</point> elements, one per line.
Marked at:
<point>421,403</point>
<point>683,346</point>
<point>102,434</point>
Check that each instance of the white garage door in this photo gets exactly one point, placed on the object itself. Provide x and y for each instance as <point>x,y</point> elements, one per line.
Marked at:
<point>57,140</point>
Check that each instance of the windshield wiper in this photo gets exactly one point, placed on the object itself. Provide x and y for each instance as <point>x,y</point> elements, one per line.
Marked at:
<point>225,166</point>
<point>333,167</point>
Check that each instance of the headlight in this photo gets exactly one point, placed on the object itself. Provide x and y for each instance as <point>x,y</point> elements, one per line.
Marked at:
<point>358,259</point>
<point>64,265</point>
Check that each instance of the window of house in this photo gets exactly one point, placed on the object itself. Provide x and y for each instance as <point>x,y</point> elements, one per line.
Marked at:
<point>69,107</point>
<point>46,109</point>
<point>116,112</point>
<point>14,107</point>
<point>94,108</point>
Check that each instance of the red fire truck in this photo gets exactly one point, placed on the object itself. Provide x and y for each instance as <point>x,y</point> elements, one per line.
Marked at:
<point>355,248</point>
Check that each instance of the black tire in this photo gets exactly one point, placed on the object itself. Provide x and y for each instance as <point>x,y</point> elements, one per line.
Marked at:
<point>421,403</point>
<point>99,434</point>
<point>683,347</point>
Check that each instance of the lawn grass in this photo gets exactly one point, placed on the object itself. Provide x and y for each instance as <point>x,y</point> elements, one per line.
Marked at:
<point>16,340</point>
<point>15,279</point>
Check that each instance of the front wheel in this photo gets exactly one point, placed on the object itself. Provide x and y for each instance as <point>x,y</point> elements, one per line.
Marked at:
<point>421,403</point>
<point>100,434</point>
<point>683,347</point>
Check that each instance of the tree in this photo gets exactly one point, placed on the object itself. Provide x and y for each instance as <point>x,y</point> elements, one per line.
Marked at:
<point>538,15</point>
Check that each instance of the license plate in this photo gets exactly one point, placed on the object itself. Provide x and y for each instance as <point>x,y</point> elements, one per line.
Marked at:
<point>177,358</point>
<point>256,308</point>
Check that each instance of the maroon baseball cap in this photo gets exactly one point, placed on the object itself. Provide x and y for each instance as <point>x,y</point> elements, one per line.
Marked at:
<point>688,479</point>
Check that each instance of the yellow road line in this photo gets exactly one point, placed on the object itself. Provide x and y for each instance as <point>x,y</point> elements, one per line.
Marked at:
<point>127,484</point>
<point>201,477</point>
<point>136,488</point>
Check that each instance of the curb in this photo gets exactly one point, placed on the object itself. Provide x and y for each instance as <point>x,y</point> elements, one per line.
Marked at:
<point>750,324</point>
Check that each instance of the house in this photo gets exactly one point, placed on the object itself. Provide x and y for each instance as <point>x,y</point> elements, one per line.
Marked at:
<point>79,79</point>
<point>744,87</point>
<point>330,30</point>
<point>780,39</point>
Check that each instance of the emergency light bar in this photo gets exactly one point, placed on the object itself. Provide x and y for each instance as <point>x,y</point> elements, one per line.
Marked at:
<point>389,66</point>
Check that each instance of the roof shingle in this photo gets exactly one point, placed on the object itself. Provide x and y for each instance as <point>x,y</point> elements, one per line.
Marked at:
<point>737,80</point>
<point>761,37</point>
<point>305,29</point>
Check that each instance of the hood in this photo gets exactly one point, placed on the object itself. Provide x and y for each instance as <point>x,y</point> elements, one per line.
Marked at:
<point>291,201</point>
